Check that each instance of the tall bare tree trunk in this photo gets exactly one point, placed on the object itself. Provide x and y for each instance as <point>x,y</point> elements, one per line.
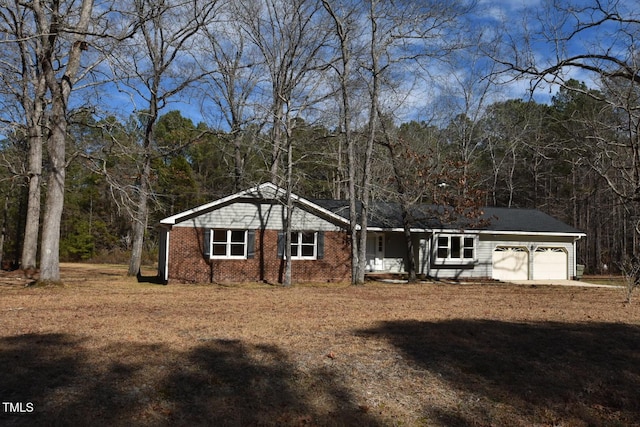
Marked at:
<point>238,160</point>
<point>405,203</point>
<point>3,233</point>
<point>50,256</point>
<point>374,93</point>
<point>32,220</point>
<point>139,225</point>
<point>164,43</point>
<point>56,143</point>
<point>287,279</point>
<point>276,141</point>
<point>353,206</point>
<point>342,32</point>
<point>140,219</point>
<point>33,100</point>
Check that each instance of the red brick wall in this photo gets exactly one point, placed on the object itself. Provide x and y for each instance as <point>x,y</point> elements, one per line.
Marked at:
<point>188,264</point>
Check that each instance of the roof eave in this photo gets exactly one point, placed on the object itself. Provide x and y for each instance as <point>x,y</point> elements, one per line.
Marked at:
<point>534,233</point>
<point>472,231</point>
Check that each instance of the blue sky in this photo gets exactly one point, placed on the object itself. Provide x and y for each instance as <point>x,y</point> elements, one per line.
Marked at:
<point>425,97</point>
<point>543,25</point>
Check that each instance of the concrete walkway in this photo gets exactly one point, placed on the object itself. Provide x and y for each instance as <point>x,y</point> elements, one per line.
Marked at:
<point>556,282</point>
<point>578,283</point>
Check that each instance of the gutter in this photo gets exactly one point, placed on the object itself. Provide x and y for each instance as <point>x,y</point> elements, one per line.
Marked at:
<point>576,236</point>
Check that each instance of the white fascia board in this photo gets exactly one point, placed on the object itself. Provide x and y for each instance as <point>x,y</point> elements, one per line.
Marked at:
<point>531,233</point>
<point>397,230</point>
<point>459,231</point>
<point>454,231</point>
<point>423,230</point>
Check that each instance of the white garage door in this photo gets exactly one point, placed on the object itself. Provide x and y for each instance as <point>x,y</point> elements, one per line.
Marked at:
<point>510,263</point>
<point>550,263</point>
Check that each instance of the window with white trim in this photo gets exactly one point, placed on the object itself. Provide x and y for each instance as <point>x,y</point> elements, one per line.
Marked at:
<point>304,245</point>
<point>228,243</point>
<point>455,248</point>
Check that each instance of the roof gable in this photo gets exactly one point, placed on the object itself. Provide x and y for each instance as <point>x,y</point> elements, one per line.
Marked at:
<point>263,192</point>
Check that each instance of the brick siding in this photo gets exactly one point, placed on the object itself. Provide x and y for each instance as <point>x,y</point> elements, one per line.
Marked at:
<point>187,262</point>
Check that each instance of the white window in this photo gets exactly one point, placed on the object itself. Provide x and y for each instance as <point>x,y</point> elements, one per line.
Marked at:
<point>228,243</point>
<point>304,245</point>
<point>455,248</point>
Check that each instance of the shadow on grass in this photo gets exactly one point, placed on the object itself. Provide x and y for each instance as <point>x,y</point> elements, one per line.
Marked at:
<point>527,373</point>
<point>218,382</point>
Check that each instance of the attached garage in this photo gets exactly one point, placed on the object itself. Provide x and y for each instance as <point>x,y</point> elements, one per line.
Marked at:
<point>550,263</point>
<point>510,263</point>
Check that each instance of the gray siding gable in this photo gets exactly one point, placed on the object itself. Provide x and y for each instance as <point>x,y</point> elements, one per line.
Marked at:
<point>254,215</point>
<point>258,207</point>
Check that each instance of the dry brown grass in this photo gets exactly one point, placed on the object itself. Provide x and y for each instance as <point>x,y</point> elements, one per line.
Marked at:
<point>106,350</point>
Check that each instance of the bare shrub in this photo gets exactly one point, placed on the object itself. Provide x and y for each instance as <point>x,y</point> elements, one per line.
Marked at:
<point>630,267</point>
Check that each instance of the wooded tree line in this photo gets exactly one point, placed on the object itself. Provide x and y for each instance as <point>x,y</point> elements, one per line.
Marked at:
<point>377,100</point>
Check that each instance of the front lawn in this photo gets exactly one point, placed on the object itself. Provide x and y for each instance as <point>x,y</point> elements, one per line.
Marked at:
<point>107,350</point>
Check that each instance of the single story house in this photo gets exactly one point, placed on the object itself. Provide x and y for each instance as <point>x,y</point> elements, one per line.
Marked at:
<point>240,238</point>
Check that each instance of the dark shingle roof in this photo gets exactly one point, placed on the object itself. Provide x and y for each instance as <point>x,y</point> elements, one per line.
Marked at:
<point>389,215</point>
<point>528,220</point>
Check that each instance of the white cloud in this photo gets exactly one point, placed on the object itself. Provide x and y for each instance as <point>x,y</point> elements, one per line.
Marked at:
<point>502,10</point>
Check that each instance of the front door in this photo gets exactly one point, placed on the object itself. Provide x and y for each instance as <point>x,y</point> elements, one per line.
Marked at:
<point>375,252</point>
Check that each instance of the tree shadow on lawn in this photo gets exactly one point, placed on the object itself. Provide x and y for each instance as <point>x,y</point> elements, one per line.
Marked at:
<point>527,373</point>
<point>218,382</point>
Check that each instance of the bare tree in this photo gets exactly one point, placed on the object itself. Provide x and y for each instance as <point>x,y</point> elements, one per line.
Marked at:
<point>62,27</point>
<point>597,40</point>
<point>290,41</point>
<point>509,131</point>
<point>290,38</point>
<point>631,270</point>
<point>467,89</point>
<point>54,45</point>
<point>232,86</point>
<point>344,19</point>
<point>611,28</point>
<point>154,66</point>
<point>24,93</point>
<point>403,36</point>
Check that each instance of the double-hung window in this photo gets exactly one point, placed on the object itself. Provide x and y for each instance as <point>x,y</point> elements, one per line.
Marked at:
<point>304,245</point>
<point>451,248</point>
<point>226,244</point>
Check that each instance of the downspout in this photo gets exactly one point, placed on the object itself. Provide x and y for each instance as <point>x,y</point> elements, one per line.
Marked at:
<point>165,279</point>
<point>163,258</point>
<point>531,267</point>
